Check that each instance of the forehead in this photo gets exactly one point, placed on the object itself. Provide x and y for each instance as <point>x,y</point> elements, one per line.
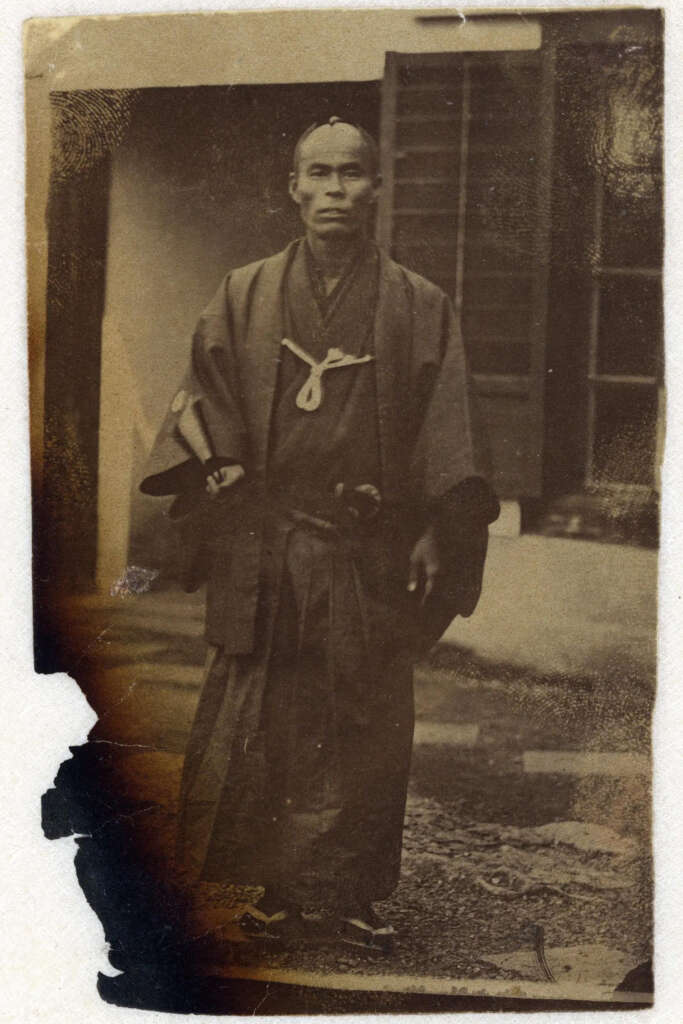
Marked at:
<point>335,144</point>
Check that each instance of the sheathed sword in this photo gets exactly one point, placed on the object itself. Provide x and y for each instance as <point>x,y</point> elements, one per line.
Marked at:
<point>191,427</point>
<point>187,479</point>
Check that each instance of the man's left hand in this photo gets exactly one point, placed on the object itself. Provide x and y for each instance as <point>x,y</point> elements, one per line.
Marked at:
<point>424,565</point>
<point>222,478</point>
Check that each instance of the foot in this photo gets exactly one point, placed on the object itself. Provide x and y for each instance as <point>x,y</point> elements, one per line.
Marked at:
<point>362,926</point>
<point>271,918</point>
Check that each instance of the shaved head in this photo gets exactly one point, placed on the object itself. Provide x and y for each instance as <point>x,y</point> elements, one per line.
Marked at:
<point>335,181</point>
<point>334,132</point>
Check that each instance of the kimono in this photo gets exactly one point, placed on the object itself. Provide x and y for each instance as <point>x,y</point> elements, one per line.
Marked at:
<point>297,766</point>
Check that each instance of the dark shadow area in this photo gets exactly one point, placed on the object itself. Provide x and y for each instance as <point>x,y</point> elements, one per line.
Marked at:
<point>144,920</point>
<point>468,664</point>
<point>217,996</point>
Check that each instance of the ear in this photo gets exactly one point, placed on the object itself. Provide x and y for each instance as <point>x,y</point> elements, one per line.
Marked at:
<point>294,187</point>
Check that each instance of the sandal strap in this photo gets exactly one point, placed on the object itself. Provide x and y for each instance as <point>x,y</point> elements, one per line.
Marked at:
<point>358,922</point>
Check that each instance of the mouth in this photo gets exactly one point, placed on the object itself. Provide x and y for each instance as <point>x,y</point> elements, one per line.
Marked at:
<point>333,213</point>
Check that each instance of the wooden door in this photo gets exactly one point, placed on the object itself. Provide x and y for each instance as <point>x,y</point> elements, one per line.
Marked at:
<point>466,159</point>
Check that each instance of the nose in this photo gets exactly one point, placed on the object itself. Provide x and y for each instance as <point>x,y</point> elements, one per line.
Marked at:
<point>335,186</point>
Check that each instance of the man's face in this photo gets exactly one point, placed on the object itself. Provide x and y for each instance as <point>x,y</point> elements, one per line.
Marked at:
<point>334,185</point>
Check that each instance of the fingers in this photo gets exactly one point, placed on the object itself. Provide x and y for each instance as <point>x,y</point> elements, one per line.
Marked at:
<point>223,478</point>
<point>413,574</point>
<point>230,475</point>
<point>423,571</point>
<point>431,572</point>
<point>213,483</point>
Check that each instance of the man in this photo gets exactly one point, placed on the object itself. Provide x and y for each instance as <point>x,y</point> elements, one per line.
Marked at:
<point>326,420</point>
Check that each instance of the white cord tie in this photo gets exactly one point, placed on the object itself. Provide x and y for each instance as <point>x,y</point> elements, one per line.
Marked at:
<point>311,394</point>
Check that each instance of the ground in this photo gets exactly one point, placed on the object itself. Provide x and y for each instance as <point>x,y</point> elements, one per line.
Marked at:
<point>526,852</point>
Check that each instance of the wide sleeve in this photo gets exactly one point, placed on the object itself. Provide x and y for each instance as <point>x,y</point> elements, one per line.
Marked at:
<point>209,394</point>
<point>451,470</point>
<point>450,465</point>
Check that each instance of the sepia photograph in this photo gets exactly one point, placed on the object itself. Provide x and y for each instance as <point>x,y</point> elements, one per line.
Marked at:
<point>347,399</point>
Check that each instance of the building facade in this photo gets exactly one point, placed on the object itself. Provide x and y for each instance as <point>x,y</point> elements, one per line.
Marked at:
<point>522,170</point>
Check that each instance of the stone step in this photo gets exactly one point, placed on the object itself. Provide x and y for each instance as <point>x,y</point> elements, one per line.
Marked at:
<point>175,675</point>
<point>172,604</point>
<point>452,734</point>
<point>159,675</point>
<point>130,623</point>
<point>129,650</point>
<point>584,762</point>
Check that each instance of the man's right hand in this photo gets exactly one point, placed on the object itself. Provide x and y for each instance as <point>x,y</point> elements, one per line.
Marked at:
<point>223,478</point>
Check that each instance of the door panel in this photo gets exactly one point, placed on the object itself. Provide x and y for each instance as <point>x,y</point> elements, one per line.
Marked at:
<point>466,143</point>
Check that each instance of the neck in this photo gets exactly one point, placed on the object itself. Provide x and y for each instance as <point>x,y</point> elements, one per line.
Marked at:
<point>332,254</point>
